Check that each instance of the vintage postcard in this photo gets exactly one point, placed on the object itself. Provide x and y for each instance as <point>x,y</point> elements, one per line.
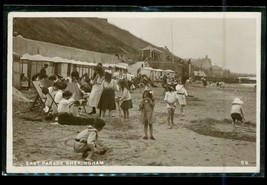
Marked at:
<point>134,92</point>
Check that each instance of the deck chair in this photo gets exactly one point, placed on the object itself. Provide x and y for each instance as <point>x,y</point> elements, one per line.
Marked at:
<point>52,105</point>
<point>73,87</point>
<point>40,96</point>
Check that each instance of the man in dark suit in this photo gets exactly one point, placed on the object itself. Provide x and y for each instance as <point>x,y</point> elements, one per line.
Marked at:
<point>75,74</point>
<point>42,73</point>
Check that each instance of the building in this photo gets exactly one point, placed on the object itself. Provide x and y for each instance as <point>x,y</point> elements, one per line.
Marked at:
<point>29,56</point>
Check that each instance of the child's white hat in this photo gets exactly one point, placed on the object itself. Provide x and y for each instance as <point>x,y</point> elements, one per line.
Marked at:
<point>238,101</point>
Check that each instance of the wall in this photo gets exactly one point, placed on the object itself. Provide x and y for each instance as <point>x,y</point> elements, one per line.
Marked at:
<point>22,46</point>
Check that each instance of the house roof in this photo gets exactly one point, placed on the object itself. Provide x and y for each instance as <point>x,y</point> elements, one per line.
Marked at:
<point>199,73</point>
<point>151,48</point>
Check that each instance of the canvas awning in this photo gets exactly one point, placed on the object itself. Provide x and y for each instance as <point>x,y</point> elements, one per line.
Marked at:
<point>170,71</point>
<point>121,65</point>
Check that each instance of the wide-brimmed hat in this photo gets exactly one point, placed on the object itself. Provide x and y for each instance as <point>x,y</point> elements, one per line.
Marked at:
<point>238,101</point>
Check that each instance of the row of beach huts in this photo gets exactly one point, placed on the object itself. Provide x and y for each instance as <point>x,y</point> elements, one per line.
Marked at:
<point>29,56</point>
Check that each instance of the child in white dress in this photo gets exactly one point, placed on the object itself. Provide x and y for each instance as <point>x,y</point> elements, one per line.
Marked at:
<point>237,112</point>
<point>181,94</point>
<point>171,99</point>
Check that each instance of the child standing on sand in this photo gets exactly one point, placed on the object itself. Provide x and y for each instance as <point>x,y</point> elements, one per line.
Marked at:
<point>147,116</point>
<point>181,95</point>
<point>237,112</point>
<point>86,141</point>
<point>125,100</point>
<point>171,99</point>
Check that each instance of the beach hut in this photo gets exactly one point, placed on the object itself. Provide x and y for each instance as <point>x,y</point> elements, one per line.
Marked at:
<point>168,71</point>
<point>16,75</point>
<point>150,72</point>
<point>121,68</point>
<point>135,68</point>
<point>158,74</point>
<point>60,66</point>
<point>32,64</point>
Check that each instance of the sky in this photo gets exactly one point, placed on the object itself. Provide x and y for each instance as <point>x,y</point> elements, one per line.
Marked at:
<point>229,42</point>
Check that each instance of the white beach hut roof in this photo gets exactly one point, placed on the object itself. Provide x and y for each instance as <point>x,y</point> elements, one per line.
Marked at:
<point>121,65</point>
<point>37,57</point>
<point>168,70</point>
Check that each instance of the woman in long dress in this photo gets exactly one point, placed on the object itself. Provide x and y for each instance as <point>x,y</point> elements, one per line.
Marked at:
<point>96,89</point>
<point>107,100</point>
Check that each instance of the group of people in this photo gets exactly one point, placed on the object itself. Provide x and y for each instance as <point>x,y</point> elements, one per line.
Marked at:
<point>102,96</point>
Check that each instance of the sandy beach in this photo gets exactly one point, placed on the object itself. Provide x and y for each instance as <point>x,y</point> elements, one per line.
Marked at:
<point>203,136</point>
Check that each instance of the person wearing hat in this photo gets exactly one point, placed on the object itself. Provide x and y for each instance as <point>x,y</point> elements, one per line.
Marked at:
<point>237,112</point>
<point>171,99</point>
<point>107,99</point>
<point>42,73</point>
<point>86,141</point>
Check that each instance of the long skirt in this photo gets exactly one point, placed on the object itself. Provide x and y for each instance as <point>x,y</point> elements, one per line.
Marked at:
<point>127,104</point>
<point>107,100</point>
<point>95,95</point>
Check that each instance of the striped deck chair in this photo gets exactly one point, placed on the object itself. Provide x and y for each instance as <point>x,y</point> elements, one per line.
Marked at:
<point>50,102</point>
<point>40,96</point>
<point>45,98</point>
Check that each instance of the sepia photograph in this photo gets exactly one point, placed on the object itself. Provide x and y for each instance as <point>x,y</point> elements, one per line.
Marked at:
<point>134,92</point>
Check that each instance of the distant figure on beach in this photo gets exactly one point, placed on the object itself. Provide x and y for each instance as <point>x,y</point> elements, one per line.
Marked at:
<point>220,84</point>
<point>146,107</point>
<point>171,99</point>
<point>86,141</point>
<point>237,112</point>
<point>204,81</point>
<point>164,79</point>
<point>188,83</point>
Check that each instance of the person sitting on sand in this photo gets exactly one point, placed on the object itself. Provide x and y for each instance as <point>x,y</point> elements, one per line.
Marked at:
<point>65,102</point>
<point>237,112</point>
<point>146,106</point>
<point>171,99</point>
<point>61,86</point>
<point>86,141</point>
<point>52,92</point>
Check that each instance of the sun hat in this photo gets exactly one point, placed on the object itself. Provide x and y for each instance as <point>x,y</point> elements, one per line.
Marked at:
<point>237,101</point>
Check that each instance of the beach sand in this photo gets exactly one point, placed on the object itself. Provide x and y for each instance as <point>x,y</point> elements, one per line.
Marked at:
<point>203,136</point>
